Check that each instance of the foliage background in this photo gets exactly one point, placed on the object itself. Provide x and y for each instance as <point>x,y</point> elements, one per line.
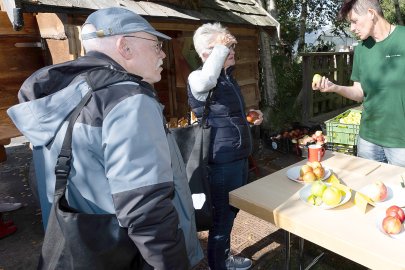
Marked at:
<point>296,18</point>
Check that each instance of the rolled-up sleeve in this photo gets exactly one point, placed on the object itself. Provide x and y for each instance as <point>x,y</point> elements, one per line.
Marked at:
<point>201,81</point>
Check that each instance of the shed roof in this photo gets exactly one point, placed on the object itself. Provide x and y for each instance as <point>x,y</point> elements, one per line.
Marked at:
<point>245,12</point>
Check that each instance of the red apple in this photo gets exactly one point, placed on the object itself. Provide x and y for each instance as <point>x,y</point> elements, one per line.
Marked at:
<point>392,225</point>
<point>378,191</point>
<point>396,211</point>
<point>252,116</point>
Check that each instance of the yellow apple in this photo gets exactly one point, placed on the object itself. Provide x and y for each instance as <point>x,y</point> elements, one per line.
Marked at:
<point>309,177</point>
<point>304,169</point>
<point>331,196</point>
<point>317,78</point>
<point>316,164</point>
<point>319,172</point>
<point>317,188</point>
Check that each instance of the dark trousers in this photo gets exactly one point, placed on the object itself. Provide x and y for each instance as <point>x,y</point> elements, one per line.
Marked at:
<point>223,179</point>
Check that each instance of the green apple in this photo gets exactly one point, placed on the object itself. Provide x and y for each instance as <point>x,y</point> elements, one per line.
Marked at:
<point>331,196</point>
<point>317,188</point>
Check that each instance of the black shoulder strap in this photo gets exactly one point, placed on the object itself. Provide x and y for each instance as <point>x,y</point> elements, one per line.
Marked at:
<point>206,108</point>
<point>63,165</point>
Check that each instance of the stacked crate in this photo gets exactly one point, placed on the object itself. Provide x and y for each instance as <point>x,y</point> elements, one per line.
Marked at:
<point>343,132</point>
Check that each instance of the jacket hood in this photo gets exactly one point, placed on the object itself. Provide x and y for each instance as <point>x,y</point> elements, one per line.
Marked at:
<point>49,95</point>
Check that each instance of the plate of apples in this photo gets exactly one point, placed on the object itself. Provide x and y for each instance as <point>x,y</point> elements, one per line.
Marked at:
<point>308,173</point>
<point>324,195</point>
<point>392,224</point>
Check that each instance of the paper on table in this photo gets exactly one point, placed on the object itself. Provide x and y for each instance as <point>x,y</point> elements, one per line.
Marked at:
<point>361,201</point>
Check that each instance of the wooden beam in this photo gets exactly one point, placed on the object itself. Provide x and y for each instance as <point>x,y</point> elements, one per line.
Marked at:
<point>30,26</point>
<point>51,26</point>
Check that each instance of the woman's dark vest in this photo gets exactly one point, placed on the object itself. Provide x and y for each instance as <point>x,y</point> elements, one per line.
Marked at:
<point>230,132</point>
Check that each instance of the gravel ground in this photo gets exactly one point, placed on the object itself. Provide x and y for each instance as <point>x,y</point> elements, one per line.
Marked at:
<point>251,236</point>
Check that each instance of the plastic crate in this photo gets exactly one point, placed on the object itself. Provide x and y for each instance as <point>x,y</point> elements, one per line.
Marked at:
<point>339,133</point>
<point>343,148</point>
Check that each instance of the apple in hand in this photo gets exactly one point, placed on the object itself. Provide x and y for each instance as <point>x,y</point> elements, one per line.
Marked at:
<point>396,211</point>
<point>316,80</point>
<point>252,116</point>
<point>392,225</point>
<point>378,191</point>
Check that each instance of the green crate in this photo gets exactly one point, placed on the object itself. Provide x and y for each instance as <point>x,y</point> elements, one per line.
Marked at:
<point>339,133</point>
<point>342,148</point>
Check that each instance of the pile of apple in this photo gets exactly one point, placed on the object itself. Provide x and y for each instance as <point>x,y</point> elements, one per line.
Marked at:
<point>311,172</point>
<point>293,134</point>
<point>392,223</point>
<point>318,138</point>
<point>352,118</point>
<point>322,193</point>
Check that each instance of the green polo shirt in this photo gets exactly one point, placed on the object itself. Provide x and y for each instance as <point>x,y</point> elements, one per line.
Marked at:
<point>380,68</point>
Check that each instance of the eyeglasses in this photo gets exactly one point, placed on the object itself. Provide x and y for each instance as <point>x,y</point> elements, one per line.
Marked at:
<point>158,46</point>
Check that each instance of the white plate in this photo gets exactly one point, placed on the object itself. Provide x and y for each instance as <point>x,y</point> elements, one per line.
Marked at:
<point>294,172</point>
<point>395,195</point>
<point>399,236</point>
<point>305,192</point>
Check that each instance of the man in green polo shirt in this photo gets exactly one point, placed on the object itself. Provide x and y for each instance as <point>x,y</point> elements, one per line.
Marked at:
<point>379,81</point>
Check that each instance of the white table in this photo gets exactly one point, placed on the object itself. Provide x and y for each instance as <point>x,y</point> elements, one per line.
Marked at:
<point>344,230</point>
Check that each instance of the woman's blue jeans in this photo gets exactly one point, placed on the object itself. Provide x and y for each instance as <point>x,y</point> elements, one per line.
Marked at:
<point>223,179</point>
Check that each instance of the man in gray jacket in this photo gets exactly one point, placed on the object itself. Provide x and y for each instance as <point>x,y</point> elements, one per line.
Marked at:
<point>123,162</point>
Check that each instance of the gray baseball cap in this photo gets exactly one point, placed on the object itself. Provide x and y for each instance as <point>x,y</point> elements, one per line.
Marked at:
<point>118,21</point>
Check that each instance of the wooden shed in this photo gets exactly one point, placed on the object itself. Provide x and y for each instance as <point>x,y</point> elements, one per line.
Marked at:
<point>59,24</point>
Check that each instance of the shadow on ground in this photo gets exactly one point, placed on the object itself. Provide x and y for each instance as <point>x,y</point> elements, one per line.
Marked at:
<point>251,236</point>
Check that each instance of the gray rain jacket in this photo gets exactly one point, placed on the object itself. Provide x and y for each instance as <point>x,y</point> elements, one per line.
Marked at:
<point>122,164</point>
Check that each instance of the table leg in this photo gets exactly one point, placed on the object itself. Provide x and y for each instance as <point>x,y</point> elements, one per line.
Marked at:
<point>287,243</point>
<point>301,252</point>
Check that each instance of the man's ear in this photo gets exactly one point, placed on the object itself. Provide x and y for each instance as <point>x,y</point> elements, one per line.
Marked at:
<point>123,48</point>
<point>371,13</point>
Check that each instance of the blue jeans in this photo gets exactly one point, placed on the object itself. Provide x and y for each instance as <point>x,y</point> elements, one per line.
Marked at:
<point>223,179</point>
<point>394,156</point>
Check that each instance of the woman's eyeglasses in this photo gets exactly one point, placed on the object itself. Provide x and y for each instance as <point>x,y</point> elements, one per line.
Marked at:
<point>158,46</point>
